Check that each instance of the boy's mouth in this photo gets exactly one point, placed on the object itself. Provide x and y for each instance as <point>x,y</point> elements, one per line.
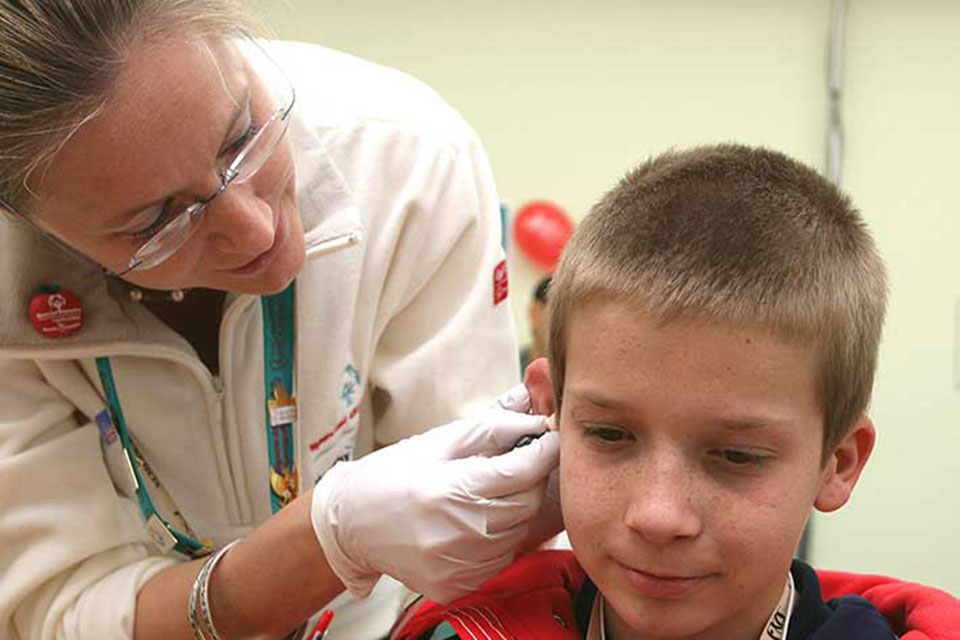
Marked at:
<point>664,584</point>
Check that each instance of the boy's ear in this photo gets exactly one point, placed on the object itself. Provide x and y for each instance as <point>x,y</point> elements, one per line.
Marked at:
<point>540,386</point>
<point>843,467</point>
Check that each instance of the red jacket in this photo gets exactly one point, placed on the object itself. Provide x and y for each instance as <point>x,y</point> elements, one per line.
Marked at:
<point>534,598</point>
<point>914,611</point>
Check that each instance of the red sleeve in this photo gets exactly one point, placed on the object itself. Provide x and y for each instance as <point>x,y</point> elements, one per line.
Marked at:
<point>915,611</point>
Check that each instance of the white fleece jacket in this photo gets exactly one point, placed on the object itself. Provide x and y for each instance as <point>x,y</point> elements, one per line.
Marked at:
<point>397,331</point>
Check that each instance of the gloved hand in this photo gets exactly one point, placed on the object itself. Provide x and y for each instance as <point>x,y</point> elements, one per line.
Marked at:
<point>549,522</point>
<point>434,511</point>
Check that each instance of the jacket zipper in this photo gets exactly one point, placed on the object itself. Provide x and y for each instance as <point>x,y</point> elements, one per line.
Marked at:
<point>231,446</point>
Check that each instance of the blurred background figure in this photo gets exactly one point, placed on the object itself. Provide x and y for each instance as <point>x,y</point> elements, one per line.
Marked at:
<point>538,324</point>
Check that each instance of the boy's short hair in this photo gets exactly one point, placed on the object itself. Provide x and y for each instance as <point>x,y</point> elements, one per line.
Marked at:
<point>738,236</point>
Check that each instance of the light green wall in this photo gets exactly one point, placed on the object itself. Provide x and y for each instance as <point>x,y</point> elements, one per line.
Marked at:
<point>567,95</point>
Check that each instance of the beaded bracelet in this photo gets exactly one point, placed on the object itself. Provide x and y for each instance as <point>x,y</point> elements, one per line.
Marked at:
<point>200,591</point>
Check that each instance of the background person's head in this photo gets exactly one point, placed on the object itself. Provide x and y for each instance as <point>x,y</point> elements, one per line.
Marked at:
<point>116,114</point>
<point>714,325</point>
<point>538,318</point>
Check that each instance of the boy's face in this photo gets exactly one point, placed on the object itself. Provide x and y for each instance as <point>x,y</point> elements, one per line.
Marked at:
<point>690,459</point>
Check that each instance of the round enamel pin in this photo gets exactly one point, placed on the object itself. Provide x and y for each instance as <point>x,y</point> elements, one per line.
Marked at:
<point>56,312</point>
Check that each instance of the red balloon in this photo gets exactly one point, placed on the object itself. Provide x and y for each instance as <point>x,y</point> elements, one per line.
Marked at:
<point>541,229</point>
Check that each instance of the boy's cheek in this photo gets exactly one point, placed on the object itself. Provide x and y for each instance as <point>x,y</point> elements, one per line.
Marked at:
<point>584,492</point>
<point>569,488</point>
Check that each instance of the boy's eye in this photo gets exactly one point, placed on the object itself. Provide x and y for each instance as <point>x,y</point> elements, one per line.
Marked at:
<point>739,458</point>
<point>605,433</point>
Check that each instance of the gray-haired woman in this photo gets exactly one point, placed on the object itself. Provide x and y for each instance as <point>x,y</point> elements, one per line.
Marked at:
<point>232,269</point>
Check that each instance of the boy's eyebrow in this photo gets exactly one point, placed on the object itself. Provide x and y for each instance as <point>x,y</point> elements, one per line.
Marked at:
<point>596,399</point>
<point>752,423</point>
<point>740,423</point>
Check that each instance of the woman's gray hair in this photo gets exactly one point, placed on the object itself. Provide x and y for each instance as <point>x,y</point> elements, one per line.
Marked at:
<point>59,60</point>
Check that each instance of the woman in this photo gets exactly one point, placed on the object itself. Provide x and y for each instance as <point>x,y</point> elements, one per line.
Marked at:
<point>228,270</point>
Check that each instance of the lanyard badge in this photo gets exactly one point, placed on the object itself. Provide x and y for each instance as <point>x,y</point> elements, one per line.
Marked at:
<point>281,412</point>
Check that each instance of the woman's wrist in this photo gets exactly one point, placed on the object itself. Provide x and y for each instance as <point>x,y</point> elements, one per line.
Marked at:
<point>263,588</point>
<point>275,580</point>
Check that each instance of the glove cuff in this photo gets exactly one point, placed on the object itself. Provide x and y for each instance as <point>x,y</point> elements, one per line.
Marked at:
<point>325,509</point>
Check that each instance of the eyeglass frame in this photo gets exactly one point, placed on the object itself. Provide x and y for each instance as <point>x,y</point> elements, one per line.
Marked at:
<point>199,205</point>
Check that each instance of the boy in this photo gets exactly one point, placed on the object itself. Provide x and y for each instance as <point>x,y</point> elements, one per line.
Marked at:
<point>714,326</point>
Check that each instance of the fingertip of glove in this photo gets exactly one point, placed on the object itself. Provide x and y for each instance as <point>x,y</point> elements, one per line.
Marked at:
<point>517,398</point>
<point>550,441</point>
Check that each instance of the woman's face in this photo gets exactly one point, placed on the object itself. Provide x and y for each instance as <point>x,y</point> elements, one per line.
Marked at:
<point>177,111</point>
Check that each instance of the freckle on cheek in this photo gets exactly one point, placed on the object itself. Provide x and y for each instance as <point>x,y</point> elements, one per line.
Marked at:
<point>772,499</point>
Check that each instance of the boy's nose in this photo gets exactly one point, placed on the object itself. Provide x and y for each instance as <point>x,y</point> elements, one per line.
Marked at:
<point>662,507</point>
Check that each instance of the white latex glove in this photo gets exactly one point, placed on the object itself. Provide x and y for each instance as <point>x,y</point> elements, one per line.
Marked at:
<point>434,511</point>
<point>549,522</point>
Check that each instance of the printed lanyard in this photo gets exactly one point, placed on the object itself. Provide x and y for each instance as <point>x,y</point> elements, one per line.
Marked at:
<point>279,335</point>
<point>281,413</point>
<point>779,623</point>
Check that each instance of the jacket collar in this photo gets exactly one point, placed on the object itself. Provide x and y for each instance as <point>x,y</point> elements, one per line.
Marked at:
<point>327,205</point>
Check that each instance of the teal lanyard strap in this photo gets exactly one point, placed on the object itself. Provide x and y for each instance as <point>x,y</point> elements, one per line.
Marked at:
<point>279,339</point>
<point>160,530</point>
<point>279,336</point>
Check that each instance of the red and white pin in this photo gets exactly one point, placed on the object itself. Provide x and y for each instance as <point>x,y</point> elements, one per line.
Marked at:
<point>56,312</point>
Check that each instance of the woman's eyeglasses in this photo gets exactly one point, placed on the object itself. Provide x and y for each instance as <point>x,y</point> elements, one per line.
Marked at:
<point>183,221</point>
